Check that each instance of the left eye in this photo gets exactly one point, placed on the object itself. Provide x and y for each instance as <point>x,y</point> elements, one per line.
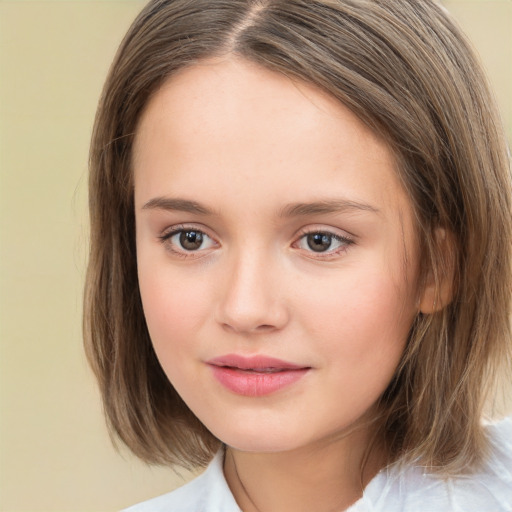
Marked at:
<point>189,240</point>
<point>322,242</point>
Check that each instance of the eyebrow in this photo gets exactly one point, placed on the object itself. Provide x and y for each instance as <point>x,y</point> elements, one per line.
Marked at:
<point>290,210</point>
<point>175,204</point>
<point>324,207</point>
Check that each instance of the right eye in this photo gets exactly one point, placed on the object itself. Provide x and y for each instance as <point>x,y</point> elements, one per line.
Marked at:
<point>187,240</point>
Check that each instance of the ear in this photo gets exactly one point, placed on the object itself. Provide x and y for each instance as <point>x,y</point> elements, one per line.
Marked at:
<point>439,285</point>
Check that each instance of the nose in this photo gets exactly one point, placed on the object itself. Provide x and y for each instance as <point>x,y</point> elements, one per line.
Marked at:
<point>253,298</point>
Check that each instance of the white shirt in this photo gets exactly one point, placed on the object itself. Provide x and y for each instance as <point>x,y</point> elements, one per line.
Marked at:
<point>394,489</point>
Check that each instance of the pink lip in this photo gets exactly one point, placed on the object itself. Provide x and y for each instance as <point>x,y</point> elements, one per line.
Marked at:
<point>256,375</point>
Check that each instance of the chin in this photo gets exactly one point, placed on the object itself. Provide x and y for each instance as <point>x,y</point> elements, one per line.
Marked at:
<point>259,445</point>
<point>259,439</point>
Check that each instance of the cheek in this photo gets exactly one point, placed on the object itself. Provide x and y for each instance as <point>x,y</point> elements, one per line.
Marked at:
<point>174,308</point>
<point>361,324</point>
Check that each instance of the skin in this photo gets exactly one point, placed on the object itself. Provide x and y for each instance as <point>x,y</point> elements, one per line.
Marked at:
<point>247,145</point>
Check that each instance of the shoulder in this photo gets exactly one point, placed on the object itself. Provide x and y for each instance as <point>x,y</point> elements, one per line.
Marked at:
<point>209,492</point>
<point>496,475</point>
<point>411,488</point>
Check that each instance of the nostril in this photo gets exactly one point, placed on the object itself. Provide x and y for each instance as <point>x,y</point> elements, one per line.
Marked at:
<point>265,327</point>
<point>258,328</point>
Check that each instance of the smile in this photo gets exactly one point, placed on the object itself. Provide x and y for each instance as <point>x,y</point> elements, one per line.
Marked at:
<point>255,376</point>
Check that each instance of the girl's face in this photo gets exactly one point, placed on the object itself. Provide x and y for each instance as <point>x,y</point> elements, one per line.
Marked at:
<point>276,254</point>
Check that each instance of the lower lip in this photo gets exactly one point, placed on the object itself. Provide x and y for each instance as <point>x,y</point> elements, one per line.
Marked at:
<point>252,383</point>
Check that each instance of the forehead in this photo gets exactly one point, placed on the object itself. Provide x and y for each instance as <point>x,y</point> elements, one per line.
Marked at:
<point>234,126</point>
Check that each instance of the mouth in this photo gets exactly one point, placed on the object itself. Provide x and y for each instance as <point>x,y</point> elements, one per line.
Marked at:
<point>257,375</point>
<point>255,370</point>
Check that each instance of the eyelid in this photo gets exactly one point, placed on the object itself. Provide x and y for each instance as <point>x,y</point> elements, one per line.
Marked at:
<point>192,226</point>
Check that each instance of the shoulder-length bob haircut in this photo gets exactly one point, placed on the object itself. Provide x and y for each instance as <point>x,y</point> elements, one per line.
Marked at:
<point>404,68</point>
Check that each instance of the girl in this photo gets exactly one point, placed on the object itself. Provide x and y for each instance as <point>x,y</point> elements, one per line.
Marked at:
<point>300,256</point>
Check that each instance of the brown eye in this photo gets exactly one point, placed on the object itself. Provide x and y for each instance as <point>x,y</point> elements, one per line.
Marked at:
<point>191,240</point>
<point>323,244</point>
<point>188,242</point>
<point>319,242</point>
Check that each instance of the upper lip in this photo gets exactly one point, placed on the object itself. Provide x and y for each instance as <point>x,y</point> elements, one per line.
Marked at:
<point>259,362</point>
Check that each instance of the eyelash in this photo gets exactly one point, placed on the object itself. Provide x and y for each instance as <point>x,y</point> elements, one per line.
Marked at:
<point>345,242</point>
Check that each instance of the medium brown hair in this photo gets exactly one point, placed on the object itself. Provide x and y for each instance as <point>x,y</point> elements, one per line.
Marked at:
<point>405,69</point>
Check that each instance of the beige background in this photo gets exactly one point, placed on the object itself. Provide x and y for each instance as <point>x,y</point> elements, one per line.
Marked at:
<point>55,454</point>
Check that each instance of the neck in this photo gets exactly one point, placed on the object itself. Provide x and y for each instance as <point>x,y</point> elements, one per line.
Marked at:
<point>324,476</point>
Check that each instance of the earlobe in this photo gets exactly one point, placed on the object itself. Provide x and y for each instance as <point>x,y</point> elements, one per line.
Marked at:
<point>438,289</point>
